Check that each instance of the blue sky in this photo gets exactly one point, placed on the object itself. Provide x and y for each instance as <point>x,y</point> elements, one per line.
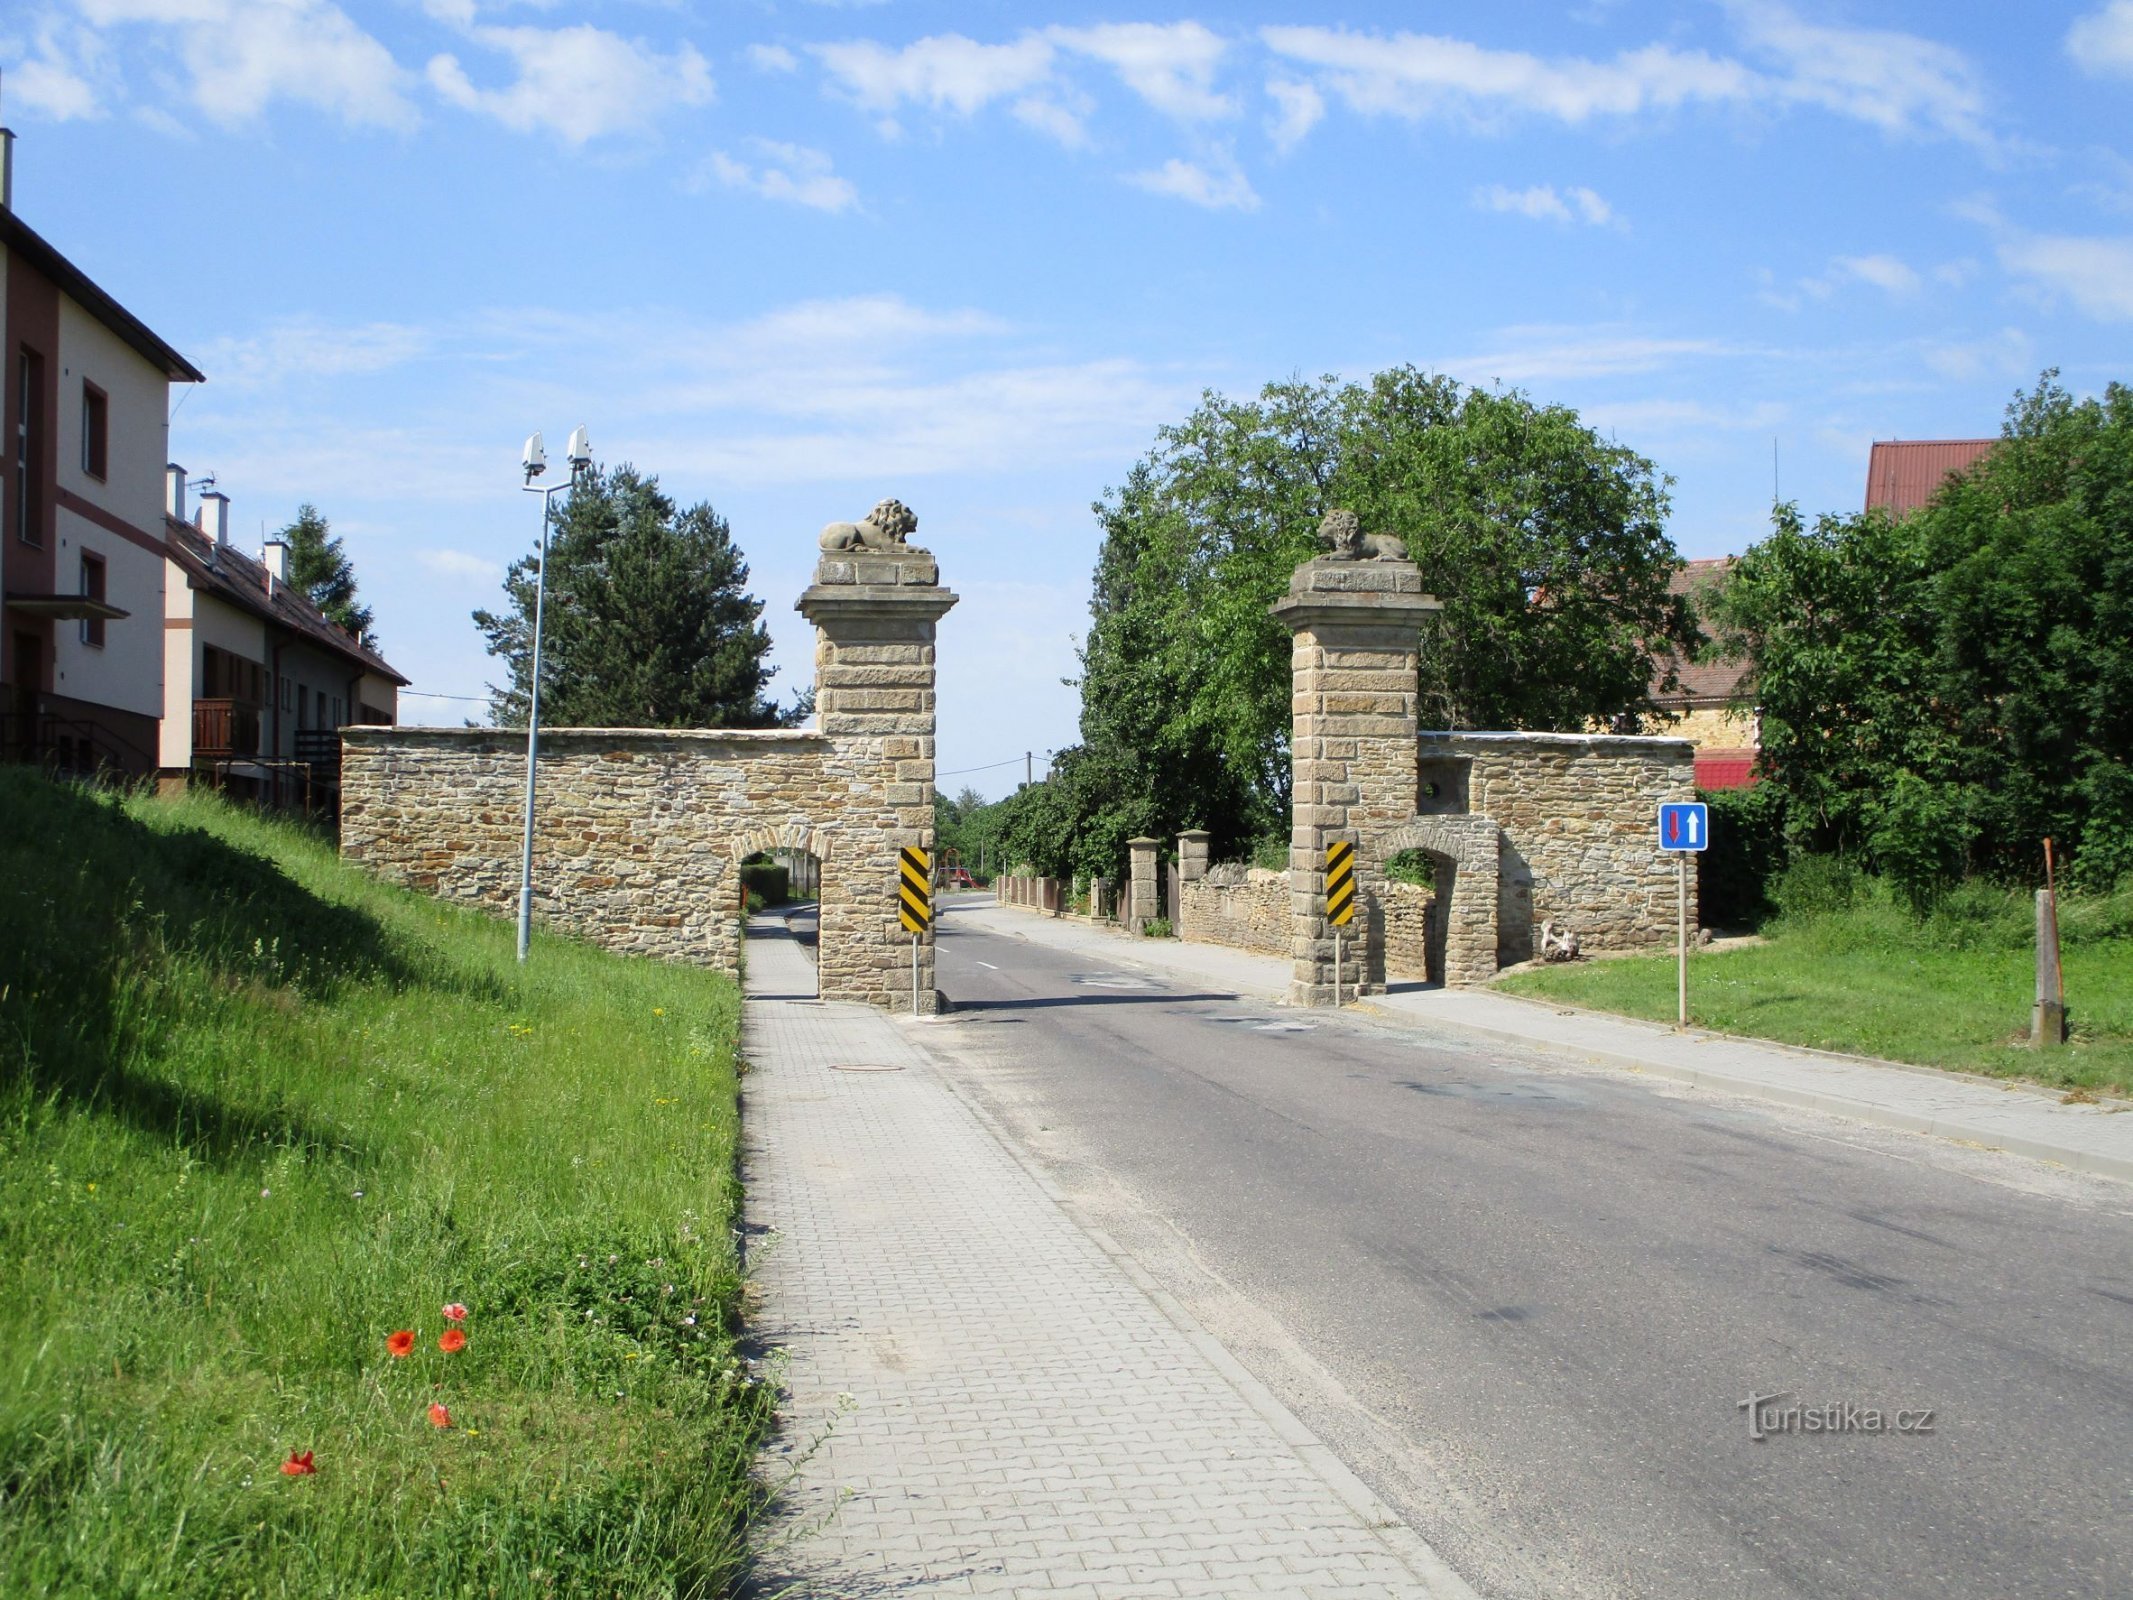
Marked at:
<point>795,257</point>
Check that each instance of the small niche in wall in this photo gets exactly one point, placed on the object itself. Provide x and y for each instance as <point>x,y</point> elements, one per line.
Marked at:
<point>1442,791</point>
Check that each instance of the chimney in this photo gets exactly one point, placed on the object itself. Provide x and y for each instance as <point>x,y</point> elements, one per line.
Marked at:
<point>174,492</point>
<point>276,557</point>
<point>7,169</point>
<point>214,516</point>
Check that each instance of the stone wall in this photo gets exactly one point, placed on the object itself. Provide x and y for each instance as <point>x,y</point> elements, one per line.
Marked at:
<point>1578,821</point>
<point>637,833</point>
<point>1413,947</point>
<point>1244,907</point>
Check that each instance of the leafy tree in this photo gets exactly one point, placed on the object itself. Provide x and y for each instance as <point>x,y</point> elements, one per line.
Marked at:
<point>319,566</point>
<point>1545,542</point>
<point>649,622</point>
<point>1942,693</point>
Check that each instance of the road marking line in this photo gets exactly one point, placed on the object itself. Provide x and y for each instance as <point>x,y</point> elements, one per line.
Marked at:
<point>988,966</point>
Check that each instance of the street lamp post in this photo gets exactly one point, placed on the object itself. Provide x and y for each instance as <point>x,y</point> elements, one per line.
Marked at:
<point>536,463</point>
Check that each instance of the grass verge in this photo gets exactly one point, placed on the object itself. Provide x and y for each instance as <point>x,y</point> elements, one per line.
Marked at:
<point>1949,990</point>
<point>258,1113</point>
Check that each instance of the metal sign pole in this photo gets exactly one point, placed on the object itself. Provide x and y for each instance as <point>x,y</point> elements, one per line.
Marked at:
<point>1681,860</point>
<point>1336,969</point>
<point>914,974</point>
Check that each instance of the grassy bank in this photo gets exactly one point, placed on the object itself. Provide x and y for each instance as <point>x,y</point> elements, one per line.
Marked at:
<point>1865,975</point>
<point>257,1114</point>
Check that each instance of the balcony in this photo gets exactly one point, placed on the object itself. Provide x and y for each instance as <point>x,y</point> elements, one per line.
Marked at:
<point>225,729</point>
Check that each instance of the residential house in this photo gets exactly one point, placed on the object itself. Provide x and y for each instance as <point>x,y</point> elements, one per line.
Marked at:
<point>1903,474</point>
<point>1713,706</point>
<point>85,418</point>
<point>259,682</point>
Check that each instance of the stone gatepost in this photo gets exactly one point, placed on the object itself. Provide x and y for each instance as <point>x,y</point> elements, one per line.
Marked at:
<point>1192,854</point>
<point>1143,900</point>
<point>1354,690</point>
<point>874,610</point>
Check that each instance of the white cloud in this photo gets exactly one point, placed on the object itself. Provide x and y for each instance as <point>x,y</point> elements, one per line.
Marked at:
<point>1170,65</point>
<point>1884,272</point>
<point>1553,355</point>
<point>1300,105</point>
<point>789,172</point>
<point>946,71</point>
<point>2096,274</point>
<point>309,348</point>
<point>459,564</point>
<point>772,58</point>
<point>1219,186</point>
<point>1544,204</point>
<point>1418,75</point>
<point>2010,353</point>
<point>244,54</point>
<point>1895,81</point>
<point>1050,115</point>
<point>2103,41</point>
<point>579,82</point>
<point>51,75</point>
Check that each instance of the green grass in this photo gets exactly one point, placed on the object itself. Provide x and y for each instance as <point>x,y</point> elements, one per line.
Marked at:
<point>1951,990</point>
<point>258,1112</point>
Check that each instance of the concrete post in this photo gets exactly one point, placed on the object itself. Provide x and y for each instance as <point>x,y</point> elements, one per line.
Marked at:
<point>1354,690</point>
<point>1142,897</point>
<point>2047,1021</point>
<point>874,611</point>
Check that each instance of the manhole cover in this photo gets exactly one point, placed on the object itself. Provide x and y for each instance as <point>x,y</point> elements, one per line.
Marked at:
<point>864,1066</point>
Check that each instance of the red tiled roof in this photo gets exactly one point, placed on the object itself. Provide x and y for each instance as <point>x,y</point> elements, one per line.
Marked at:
<point>1903,474</point>
<point>1725,769</point>
<point>221,570</point>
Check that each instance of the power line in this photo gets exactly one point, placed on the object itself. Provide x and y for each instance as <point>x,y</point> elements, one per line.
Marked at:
<point>432,694</point>
<point>989,767</point>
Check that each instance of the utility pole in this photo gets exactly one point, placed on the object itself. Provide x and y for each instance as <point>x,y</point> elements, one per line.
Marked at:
<point>1029,768</point>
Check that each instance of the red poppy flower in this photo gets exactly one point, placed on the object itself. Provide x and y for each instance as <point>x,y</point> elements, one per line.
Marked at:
<point>451,1339</point>
<point>455,1312</point>
<point>398,1345</point>
<point>440,1415</point>
<point>298,1465</point>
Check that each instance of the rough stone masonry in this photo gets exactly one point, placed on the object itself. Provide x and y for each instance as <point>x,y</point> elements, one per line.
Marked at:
<point>638,832</point>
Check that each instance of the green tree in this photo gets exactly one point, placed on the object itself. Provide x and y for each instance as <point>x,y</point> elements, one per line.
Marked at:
<point>1545,542</point>
<point>319,566</point>
<point>1940,694</point>
<point>649,622</point>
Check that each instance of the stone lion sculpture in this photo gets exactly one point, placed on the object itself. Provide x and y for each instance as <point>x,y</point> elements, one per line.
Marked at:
<point>887,527</point>
<point>1342,536</point>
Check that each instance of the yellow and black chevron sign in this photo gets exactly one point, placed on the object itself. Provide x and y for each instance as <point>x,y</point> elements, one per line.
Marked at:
<point>914,889</point>
<point>1340,883</point>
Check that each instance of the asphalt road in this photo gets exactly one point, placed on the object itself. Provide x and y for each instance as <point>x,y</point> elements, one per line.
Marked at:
<point>1525,1299</point>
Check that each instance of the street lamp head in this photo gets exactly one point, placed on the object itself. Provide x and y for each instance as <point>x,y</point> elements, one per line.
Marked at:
<point>580,451</point>
<point>536,458</point>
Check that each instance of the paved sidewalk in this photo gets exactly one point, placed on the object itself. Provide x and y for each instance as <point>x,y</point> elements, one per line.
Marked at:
<point>2016,1118</point>
<point>1025,1415</point>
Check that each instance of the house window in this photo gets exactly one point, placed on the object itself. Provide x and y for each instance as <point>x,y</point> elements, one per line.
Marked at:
<point>95,431</point>
<point>29,447</point>
<point>288,694</point>
<point>225,676</point>
<point>92,588</point>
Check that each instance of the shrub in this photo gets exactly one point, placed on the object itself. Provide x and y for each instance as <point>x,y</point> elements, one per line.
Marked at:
<point>1747,854</point>
<point>1271,853</point>
<point>1412,866</point>
<point>1816,886</point>
<point>1156,928</point>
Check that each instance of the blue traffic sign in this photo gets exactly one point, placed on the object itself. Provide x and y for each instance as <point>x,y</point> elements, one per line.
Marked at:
<point>1685,825</point>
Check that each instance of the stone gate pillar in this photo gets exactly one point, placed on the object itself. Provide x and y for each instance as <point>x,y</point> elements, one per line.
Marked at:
<point>874,610</point>
<point>1354,688</point>
<point>1143,898</point>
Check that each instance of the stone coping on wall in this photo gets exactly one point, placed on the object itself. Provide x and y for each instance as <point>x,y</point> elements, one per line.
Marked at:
<point>1596,743</point>
<point>559,739</point>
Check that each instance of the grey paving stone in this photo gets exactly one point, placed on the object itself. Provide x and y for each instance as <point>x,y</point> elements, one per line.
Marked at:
<point>1021,1418</point>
